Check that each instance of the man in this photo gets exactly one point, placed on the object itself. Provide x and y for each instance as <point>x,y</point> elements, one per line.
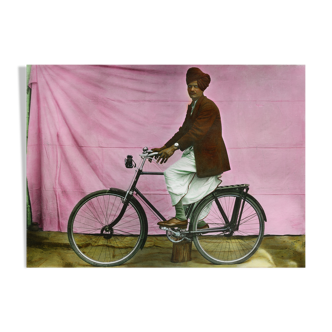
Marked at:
<point>204,158</point>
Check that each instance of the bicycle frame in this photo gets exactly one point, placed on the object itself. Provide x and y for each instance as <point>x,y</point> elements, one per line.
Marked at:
<point>231,225</point>
<point>132,188</point>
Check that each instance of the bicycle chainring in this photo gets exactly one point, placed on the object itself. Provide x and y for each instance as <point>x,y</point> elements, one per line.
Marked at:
<point>174,235</point>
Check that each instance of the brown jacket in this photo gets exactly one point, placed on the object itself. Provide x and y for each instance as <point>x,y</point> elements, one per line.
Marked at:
<point>202,130</point>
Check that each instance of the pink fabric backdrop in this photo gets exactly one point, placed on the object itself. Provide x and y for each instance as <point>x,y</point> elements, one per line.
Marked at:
<point>85,119</point>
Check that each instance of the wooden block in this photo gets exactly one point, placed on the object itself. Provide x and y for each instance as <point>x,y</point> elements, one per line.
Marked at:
<point>181,252</point>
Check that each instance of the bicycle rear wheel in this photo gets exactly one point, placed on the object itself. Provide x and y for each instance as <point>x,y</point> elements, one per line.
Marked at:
<point>96,244</point>
<point>235,245</point>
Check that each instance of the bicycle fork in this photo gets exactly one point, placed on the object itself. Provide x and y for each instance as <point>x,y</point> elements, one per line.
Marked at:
<point>127,198</point>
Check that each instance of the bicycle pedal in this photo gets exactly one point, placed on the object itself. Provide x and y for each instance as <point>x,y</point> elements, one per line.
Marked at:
<point>164,228</point>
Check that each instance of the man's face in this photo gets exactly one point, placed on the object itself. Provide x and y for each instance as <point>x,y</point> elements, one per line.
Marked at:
<point>194,91</point>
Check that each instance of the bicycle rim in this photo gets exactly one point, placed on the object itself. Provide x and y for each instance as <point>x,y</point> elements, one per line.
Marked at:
<point>228,247</point>
<point>87,235</point>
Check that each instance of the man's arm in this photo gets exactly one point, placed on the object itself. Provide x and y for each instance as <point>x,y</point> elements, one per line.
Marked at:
<point>201,126</point>
<point>168,149</point>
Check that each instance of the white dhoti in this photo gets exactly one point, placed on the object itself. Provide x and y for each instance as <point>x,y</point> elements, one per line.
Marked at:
<point>182,181</point>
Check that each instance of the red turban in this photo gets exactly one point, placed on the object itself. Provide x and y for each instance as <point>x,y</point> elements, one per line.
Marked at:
<point>195,74</point>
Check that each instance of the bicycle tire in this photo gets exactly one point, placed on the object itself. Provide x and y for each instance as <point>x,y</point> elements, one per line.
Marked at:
<point>101,248</point>
<point>228,247</point>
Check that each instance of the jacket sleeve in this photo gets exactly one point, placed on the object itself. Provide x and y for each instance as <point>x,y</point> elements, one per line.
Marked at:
<point>201,126</point>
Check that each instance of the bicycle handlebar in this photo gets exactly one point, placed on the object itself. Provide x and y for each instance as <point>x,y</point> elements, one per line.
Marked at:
<point>153,154</point>
<point>148,153</point>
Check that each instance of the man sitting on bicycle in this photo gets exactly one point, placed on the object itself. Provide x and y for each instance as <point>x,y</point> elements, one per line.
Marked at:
<point>204,156</point>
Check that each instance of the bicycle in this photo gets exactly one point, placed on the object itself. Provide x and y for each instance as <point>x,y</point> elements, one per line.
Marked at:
<point>107,227</point>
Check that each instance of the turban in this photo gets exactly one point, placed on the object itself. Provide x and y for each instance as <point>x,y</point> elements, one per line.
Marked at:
<point>195,74</point>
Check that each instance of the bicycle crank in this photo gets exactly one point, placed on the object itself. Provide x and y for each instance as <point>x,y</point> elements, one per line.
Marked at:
<point>174,234</point>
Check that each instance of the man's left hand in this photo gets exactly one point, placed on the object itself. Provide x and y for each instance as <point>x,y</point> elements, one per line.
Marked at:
<point>165,154</point>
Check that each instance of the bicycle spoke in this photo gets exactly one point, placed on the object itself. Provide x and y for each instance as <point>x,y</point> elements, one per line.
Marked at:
<point>95,210</point>
<point>102,211</point>
<point>94,215</point>
<point>122,231</point>
<point>103,247</point>
<point>234,246</point>
<point>87,218</point>
<point>88,214</point>
<point>246,218</point>
<point>108,218</point>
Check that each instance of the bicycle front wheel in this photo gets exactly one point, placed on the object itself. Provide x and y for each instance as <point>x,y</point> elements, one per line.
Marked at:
<point>98,245</point>
<point>240,241</point>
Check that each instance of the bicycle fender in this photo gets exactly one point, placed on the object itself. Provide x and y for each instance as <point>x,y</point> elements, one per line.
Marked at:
<point>235,189</point>
<point>259,206</point>
<point>146,228</point>
<point>145,220</point>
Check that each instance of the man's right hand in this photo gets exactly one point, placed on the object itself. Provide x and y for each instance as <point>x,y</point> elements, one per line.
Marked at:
<point>157,150</point>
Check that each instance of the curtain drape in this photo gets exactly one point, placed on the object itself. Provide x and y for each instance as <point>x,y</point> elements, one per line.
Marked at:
<point>28,98</point>
<point>84,120</point>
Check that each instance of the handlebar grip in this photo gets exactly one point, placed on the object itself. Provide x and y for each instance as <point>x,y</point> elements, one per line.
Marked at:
<point>153,154</point>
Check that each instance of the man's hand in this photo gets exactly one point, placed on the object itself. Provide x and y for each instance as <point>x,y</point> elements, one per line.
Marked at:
<point>157,150</point>
<point>165,154</point>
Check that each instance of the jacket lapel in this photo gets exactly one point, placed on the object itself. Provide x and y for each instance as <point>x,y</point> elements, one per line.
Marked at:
<point>190,118</point>
<point>198,104</point>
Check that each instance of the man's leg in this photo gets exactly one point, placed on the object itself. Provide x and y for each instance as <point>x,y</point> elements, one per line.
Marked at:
<point>179,211</point>
<point>204,213</point>
<point>201,223</point>
<point>178,178</point>
<point>185,187</point>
